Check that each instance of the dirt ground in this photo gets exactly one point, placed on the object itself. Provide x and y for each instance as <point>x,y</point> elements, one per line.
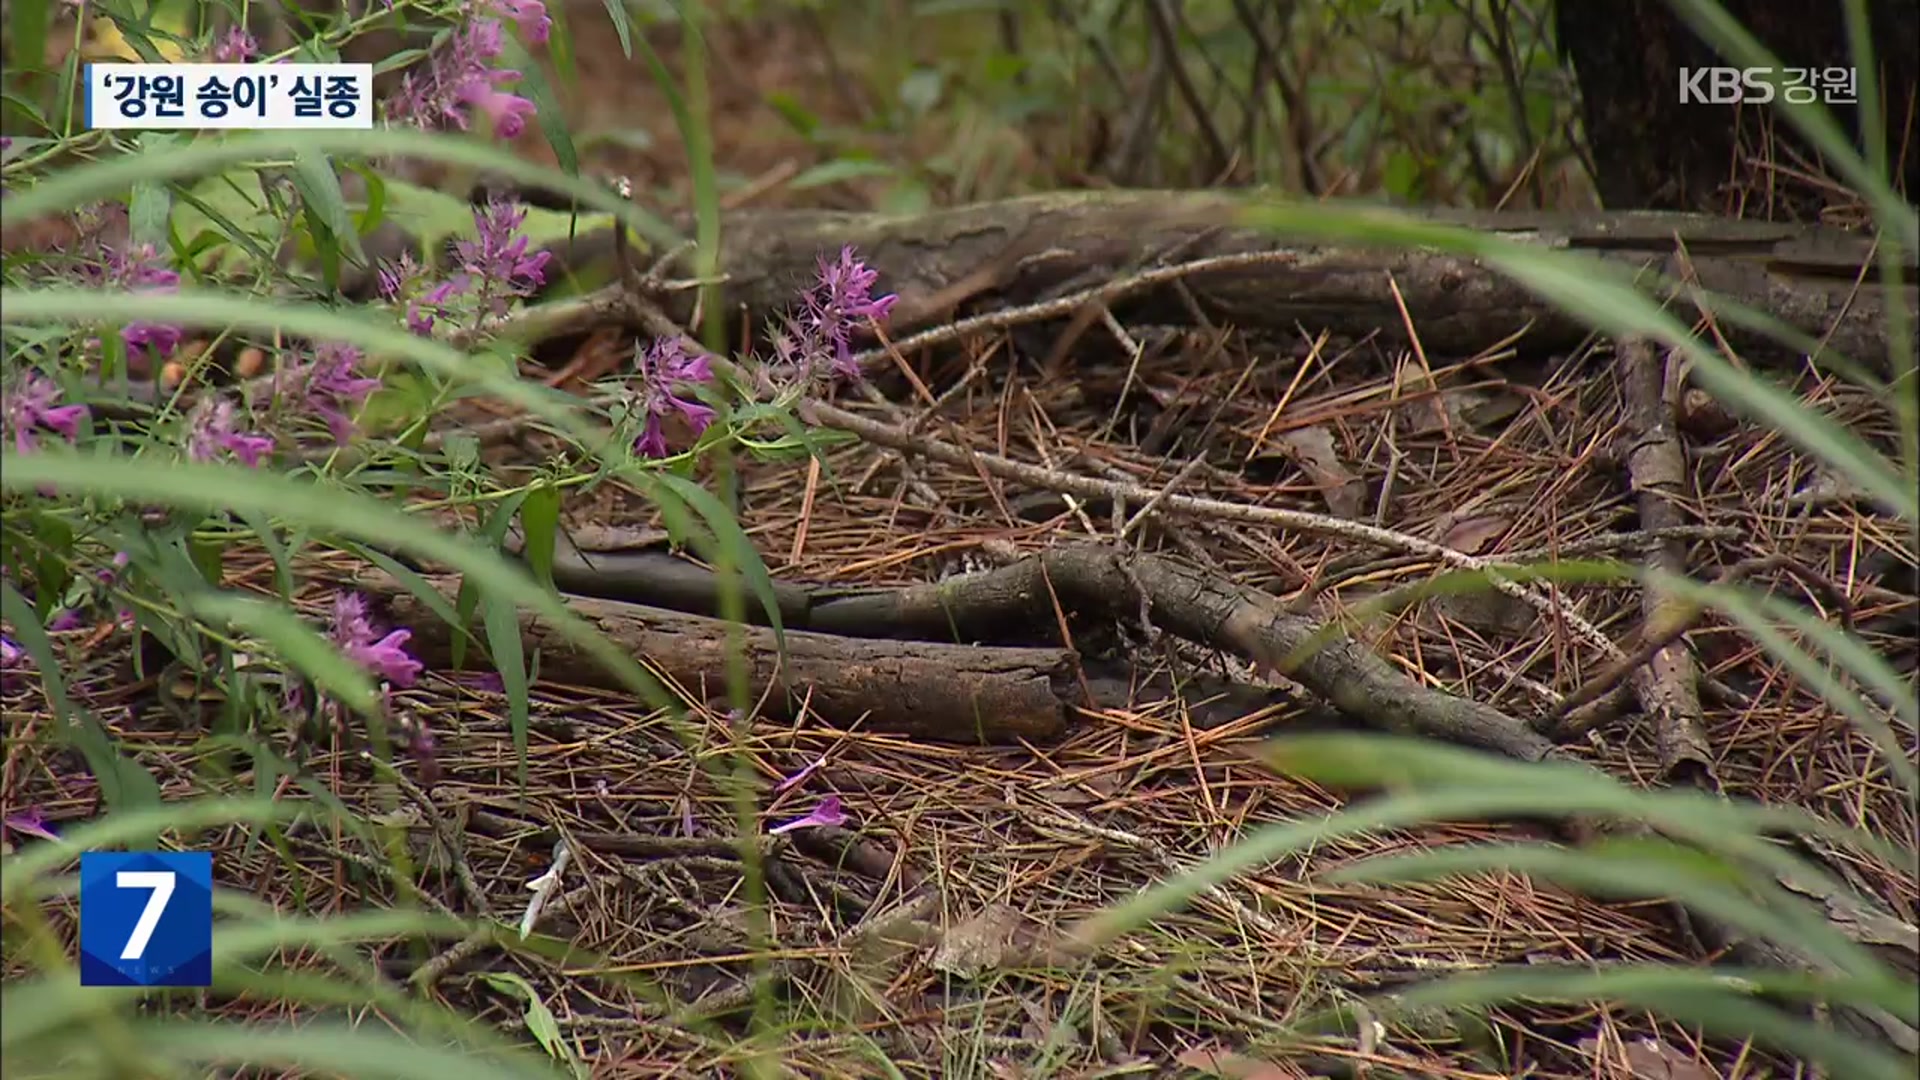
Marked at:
<point>897,933</point>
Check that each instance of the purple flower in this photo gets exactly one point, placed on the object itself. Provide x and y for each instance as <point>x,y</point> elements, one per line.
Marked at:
<point>664,363</point>
<point>237,47</point>
<point>31,822</point>
<point>819,340</point>
<point>328,387</point>
<point>827,813</point>
<point>354,633</point>
<point>420,745</point>
<point>141,268</point>
<point>29,409</point>
<point>529,15</point>
<point>496,266</point>
<point>211,429</point>
<point>67,619</point>
<point>401,282</point>
<point>507,113</point>
<point>112,573</point>
<point>459,76</point>
<point>13,662</point>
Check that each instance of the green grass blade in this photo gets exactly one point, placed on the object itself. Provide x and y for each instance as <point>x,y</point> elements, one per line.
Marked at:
<point>107,179</point>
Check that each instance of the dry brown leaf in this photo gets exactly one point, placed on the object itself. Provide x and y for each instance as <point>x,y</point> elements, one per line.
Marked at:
<point>986,941</point>
<point>1313,450</point>
<point>1231,1066</point>
<point>1654,1059</point>
<point>1472,535</point>
<point>1465,410</point>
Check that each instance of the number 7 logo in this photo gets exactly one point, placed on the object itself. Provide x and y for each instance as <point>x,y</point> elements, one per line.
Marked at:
<point>161,882</point>
<point>146,918</point>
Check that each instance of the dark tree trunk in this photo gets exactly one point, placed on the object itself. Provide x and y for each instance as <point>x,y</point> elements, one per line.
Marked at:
<point>1653,151</point>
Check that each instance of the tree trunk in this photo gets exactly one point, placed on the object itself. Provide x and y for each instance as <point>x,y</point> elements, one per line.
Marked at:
<point>1653,151</point>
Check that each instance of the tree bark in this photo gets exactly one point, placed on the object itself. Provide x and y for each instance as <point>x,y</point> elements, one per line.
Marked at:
<point>990,255</point>
<point>1651,150</point>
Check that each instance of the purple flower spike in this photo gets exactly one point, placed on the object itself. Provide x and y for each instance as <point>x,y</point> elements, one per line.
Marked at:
<point>143,268</point>
<point>529,15</point>
<point>387,657</point>
<point>29,409</point>
<point>237,47</point>
<point>328,387</point>
<point>827,813</point>
<point>31,822</point>
<point>496,265</point>
<point>664,363</point>
<point>212,428</point>
<point>402,283</point>
<point>818,341</point>
<point>461,76</point>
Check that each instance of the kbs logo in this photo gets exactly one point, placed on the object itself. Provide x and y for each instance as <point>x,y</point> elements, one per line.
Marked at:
<point>1759,86</point>
<point>146,918</point>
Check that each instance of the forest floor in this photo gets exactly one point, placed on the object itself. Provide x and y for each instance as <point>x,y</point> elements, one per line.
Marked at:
<point>894,940</point>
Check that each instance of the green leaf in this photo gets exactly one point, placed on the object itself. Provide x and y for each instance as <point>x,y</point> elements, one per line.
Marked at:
<point>375,212</point>
<point>148,211</point>
<point>27,867</point>
<point>208,557</point>
<point>837,170</point>
<point>622,25</point>
<point>540,530</point>
<point>51,575</point>
<point>1757,613</point>
<point>295,642</point>
<point>734,547</point>
<point>326,205</point>
<point>27,27</point>
<point>509,659</point>
<point>546,109</point>
<point>540,1022</point>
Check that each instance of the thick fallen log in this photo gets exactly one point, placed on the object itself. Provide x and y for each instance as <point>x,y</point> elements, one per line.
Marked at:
<point>1017,251</point>
<point>921,689</point>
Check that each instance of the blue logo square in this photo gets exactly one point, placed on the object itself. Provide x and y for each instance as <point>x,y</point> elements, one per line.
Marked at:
<point>146,918</point>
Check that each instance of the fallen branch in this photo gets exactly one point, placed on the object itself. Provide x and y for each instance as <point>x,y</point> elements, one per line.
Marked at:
<point>935,689</point>
<point>1667,683</point>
